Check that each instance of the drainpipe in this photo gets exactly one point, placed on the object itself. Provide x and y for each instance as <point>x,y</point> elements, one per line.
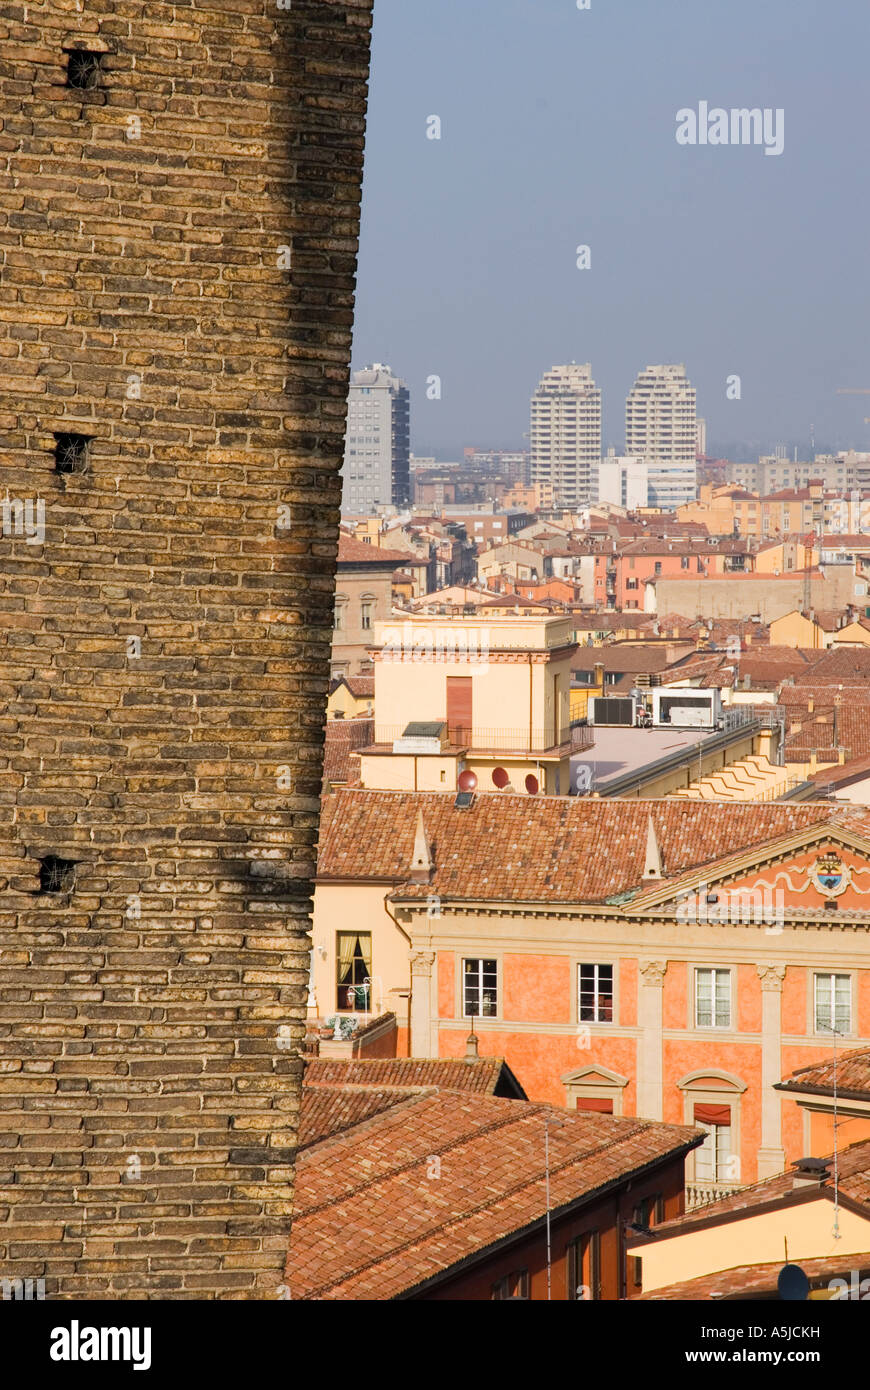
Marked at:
<point>530,702</point>
<point>397,924</point>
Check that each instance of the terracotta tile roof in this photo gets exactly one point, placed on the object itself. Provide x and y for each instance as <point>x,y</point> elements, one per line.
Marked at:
<point>823,696</point>
<point>607,622</point>
<point>332,1109</point>
<point>344,737</point>
<point>542,849</point>
<point>370,1223</point>
<point>853,732</point>
<point>834,775</point>
<point>354,552</point>
<point>514,601</point>
<point>838,664</point>
<point>852,1076</point>
<point>628,656</point>
<point>361,687</point>
<point>481,1075</point>
<point>854,1183</point>
<point>757,1279</point>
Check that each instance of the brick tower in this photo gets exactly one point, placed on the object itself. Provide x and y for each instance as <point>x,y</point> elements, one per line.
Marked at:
<point>179,213</point>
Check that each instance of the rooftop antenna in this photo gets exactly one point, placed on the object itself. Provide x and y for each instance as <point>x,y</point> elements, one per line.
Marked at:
<point>836,1229</point>
<point>546,1171</point>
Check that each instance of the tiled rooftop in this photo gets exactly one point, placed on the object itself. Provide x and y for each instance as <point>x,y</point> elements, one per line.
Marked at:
<point>477,1074</point>
<point>344,737</point>
<point>854,1182</point>
<point>852,1071</point>
<point>546,849</point>
<point>371,1220</point>
<point>756,1279</point>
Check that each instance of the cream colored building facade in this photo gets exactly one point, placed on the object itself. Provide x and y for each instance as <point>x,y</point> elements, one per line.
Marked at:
<point>484,694</point>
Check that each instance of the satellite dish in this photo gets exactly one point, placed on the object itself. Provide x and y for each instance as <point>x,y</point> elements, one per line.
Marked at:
<point>500,778</point>
<point>532,785</point>
<point>793,1284</point>
<point>467,780</point>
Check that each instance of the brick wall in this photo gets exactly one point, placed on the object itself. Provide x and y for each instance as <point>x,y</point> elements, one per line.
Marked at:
<point>165,629</point>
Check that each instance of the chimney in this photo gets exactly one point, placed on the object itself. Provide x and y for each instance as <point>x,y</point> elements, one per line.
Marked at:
<point>471,1045</point>
<point>598,678</point>
<point>809,1172</point>
<point>811,704</point>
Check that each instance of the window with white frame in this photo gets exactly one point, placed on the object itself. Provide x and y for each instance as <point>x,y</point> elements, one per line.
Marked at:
<point>479,988</point>
<point>833,1009</point>
<point>712,998</point>
<point>595,993</point>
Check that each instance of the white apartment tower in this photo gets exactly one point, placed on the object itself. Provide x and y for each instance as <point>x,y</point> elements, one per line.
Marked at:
<point>377,444</point>
<point>566,436</point>
<point>661,426</point>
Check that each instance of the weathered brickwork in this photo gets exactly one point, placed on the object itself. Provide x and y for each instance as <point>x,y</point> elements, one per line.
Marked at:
<point>177,262</point>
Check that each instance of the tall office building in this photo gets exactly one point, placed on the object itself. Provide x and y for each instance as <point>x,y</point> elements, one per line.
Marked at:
<point>661,426</point>
<point>566,436</point>
<point>378,442</point>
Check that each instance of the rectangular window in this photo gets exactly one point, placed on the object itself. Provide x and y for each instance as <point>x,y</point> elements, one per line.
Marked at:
<point>514,1285</point>
<point>479,988</point>
<point>833,1003</point>
<point>595,993</point>
<point>353,970</point>
<point>584,1268</point>
<point>713,1160</point>
<point>366,616</point>
<point>647,1214</point>
<point>712,998</point>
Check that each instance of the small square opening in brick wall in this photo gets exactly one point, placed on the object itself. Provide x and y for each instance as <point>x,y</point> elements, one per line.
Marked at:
<point>71,453</point>
<point>83,69</point>
<point>56,875</point>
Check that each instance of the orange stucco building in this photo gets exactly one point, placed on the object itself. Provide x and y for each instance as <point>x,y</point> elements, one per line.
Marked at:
<point>642,958</point>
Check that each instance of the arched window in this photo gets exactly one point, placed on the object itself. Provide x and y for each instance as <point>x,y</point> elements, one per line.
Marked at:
<point>712,1102</point>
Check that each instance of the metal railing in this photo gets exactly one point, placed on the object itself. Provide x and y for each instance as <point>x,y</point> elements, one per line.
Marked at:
<point>501,740</point>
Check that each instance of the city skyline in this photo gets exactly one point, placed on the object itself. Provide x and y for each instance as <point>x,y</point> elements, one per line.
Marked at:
<point>736,264</point>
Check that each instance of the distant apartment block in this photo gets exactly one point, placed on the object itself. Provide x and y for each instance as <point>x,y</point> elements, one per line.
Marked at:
<point>624,482</point>
<point>377,445</point>
<point>566,436</point>
<point>661,426</point>
<point>775,472</point>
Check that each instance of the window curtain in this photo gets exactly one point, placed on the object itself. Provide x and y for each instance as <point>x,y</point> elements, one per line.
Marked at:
<point>346,952</point>
<point>713,1114</point>
<point>349,944</point>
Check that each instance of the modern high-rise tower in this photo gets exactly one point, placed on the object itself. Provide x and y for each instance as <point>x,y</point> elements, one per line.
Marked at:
<point>377,446</point>
<point>661,426</point>
<point>566,436</point>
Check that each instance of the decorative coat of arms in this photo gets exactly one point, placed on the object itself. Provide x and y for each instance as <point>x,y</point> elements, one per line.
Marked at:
<point>830,875</point>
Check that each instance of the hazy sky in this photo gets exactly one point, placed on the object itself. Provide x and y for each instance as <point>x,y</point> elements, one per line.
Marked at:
<point>558,129</point>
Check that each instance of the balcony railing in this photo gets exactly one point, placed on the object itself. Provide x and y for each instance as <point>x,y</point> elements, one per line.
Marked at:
<point>502,740</point>
<point>701,1194</point>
